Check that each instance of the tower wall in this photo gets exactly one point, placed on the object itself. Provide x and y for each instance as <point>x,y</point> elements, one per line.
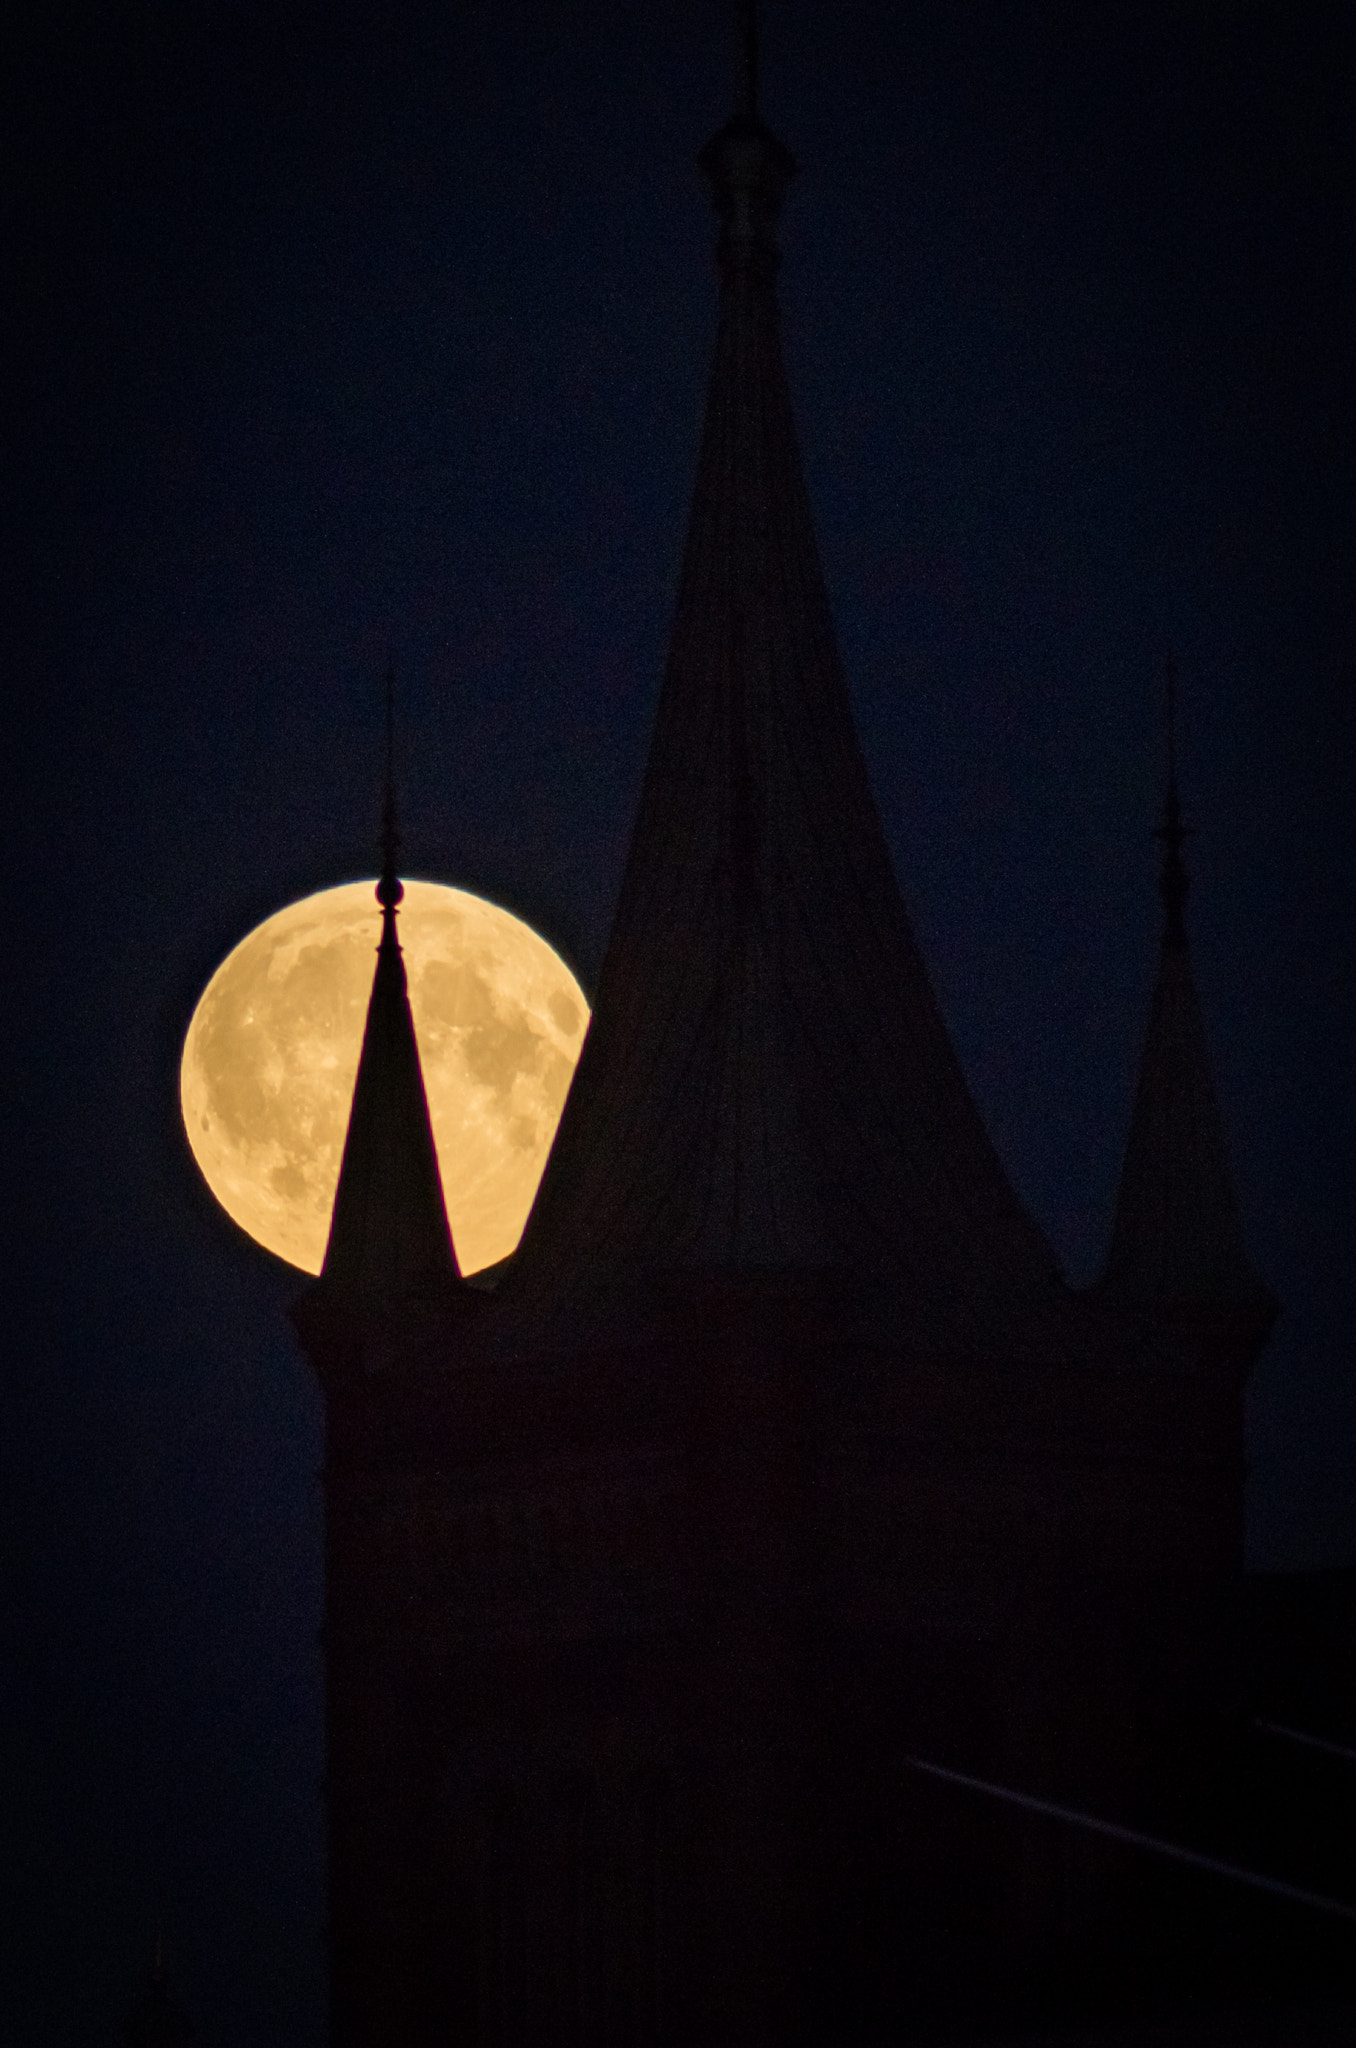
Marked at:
<point>627,1652</point>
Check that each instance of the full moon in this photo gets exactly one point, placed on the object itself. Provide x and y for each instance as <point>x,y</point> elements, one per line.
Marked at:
<point>271,1055</point>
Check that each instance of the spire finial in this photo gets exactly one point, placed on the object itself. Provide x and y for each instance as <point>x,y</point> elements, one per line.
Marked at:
<point>390,889</point>
<point>748,169</point>
<point>1173,882</point>
<point>748,98</point>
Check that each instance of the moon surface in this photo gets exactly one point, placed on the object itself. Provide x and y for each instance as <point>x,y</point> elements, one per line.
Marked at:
<point>266,1081</point>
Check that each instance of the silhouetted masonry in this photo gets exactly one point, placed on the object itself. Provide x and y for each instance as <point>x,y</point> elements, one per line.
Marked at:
<point>782,1450</point>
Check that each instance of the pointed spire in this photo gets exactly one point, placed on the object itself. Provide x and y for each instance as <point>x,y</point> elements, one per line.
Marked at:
<point>767,1082</point>
<point>1177,1240</point>
<point>389,1235</point>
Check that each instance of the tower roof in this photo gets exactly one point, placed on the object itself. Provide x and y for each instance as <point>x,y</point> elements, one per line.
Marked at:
<point>767,1081</point>
<point>389,1236</point>
<point>1176,1240</point>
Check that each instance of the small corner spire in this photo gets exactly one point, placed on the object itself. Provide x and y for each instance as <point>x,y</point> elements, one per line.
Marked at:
<point>389,1237</point>
<point>1177,1251</point>
<point>1173,881</point>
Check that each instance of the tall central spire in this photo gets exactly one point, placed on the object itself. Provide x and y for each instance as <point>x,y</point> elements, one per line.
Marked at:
<point>767,1081</point>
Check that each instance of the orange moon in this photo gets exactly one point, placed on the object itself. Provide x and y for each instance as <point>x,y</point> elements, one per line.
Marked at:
<point>266,1080</point>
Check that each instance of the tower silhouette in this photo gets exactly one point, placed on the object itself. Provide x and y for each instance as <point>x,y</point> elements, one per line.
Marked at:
<point>1176,1253</point>
<point>782,1450</point>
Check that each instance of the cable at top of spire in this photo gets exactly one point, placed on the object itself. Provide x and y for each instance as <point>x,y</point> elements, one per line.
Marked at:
<point>390,889</point>
<point>748,99</point>
<point>1173,882</point>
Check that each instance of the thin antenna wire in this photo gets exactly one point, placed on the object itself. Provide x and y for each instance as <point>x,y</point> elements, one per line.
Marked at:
<point>749,12</point>
<point>390,728</point>
<point>389,889</point>
<point>1173,883</point>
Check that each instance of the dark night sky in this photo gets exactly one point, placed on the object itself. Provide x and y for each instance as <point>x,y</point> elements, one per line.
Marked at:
<point>337,326</point>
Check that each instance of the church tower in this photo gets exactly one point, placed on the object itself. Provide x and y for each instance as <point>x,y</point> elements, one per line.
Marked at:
<point>781,1454</point>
